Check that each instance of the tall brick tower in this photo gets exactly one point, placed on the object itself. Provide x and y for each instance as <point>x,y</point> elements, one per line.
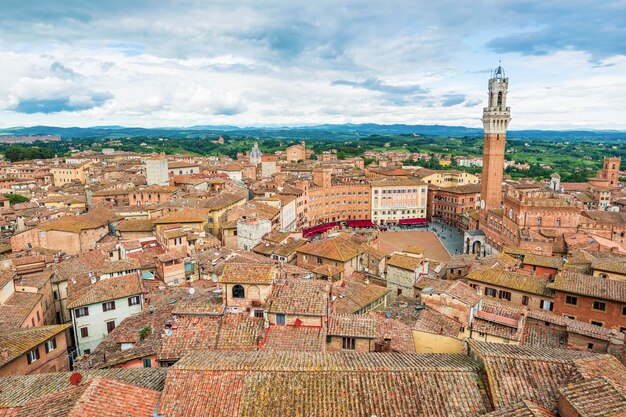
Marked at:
<point>610,170</point>
<point>496,118</point>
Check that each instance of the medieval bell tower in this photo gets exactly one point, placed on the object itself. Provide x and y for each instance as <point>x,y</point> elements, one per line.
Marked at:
<point>496,117</point>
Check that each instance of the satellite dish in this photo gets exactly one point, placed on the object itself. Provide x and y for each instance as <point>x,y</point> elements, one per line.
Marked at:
<point>192,290</point>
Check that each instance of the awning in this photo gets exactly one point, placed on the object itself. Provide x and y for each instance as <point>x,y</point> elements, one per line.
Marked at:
<point>360,223</point>
<point>413,221</point>
<point>321,228</point>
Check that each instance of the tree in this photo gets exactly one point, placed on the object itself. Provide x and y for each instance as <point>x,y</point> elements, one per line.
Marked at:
<point>17,198</point>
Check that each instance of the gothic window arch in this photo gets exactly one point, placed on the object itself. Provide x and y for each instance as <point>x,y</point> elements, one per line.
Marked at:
<point>239,291</point>
<point>500,99</point>
<point>538,221</point>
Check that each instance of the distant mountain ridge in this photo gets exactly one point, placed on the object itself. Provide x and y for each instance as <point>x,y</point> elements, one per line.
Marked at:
<point>321,131</point>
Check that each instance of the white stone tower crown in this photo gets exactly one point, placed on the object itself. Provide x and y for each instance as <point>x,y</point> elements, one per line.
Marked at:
<point>496,115</point>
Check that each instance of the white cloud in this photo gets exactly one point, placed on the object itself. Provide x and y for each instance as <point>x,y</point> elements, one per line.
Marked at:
<point>185,62</point>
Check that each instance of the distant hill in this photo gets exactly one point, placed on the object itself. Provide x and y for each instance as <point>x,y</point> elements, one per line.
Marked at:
<point>326,131</point>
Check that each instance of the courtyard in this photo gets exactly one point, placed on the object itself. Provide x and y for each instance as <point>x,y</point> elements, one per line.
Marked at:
<point>439,241</point>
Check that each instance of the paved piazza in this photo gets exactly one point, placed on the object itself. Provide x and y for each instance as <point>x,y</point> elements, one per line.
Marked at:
<point>398,240</point>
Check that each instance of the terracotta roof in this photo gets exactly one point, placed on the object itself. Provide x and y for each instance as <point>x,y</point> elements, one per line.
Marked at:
<point>328,270</point>
<point>223,200</point>
<point>14,343</point>
<point>34,280</point>
<point>6,277</point>
<point>27,260</point>
<point>81,292</point>
<point>16,391</point>
<point>617,266</point>
<point>96,218</point>
<point>98,397</point>
<point>542,260</point>
<point>239,332</point>
<point>400,335</point>
<point>606,289</point>
<point>337,249</point>
<point>606,217</point>
<point>202,333</point>
<point>135,225</point>
<point>248,273</point>
<point>513,250</point>
<point>302,297</point>
<point>75,266</point>
<point>295,339</point>
<point>186,215</point>
<point>17,308</point>
<point>573,326</point>
<point>439,285</point>
<point>181,164</point>
<point>202,302</point>
<point>284,249</point>
<point>353,325</point>
<point>607,366</point>
<point>194,333</point>
<point>431,321</point>
<point>517,373</point>
<point>409,263</point>
<point>598,397</point>
<point>495,328</point>
<point>323,384</point>
<point>463,293</point>
<point>523,408</point>
<point>514,280</point>
<point>353,295</point>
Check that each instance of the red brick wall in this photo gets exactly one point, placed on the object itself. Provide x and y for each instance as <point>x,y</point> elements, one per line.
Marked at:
<point>54,361</point>
<point>583,311</point>
<point>540,270</point>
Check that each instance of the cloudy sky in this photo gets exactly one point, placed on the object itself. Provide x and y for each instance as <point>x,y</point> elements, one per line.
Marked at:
<point>186,62</point>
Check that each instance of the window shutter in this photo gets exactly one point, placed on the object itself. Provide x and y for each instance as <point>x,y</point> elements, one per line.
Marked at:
<point>54,343</point>
<point>28,358</point>
<point>37,352</point>
<point>45,346</point>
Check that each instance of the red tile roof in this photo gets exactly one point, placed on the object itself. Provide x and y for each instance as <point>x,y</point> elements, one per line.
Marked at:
<point>352,325</point>
<point>323,384</point>
<point>249,273</point>
<point>602,288</point>
<point>295,339</point>
<point>99,397</point>
<point>302,297</point>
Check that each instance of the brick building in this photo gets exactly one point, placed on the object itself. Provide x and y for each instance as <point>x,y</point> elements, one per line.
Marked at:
<point>330,199</point>
<point>594,300</point>
<point>34,350</point>
<point>448,204</point>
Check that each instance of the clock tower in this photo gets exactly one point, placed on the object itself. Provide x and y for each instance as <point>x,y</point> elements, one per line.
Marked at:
<point>496,117</point>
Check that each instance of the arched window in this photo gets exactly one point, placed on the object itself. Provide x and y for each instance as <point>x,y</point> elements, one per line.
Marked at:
<point>239,292</point>
<point>500,99</point>
<point>558,222</point>
<point>538,221</point>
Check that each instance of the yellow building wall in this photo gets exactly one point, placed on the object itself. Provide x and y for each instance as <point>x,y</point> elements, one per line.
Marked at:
<point>610,275</point>
<point>433,343</point>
